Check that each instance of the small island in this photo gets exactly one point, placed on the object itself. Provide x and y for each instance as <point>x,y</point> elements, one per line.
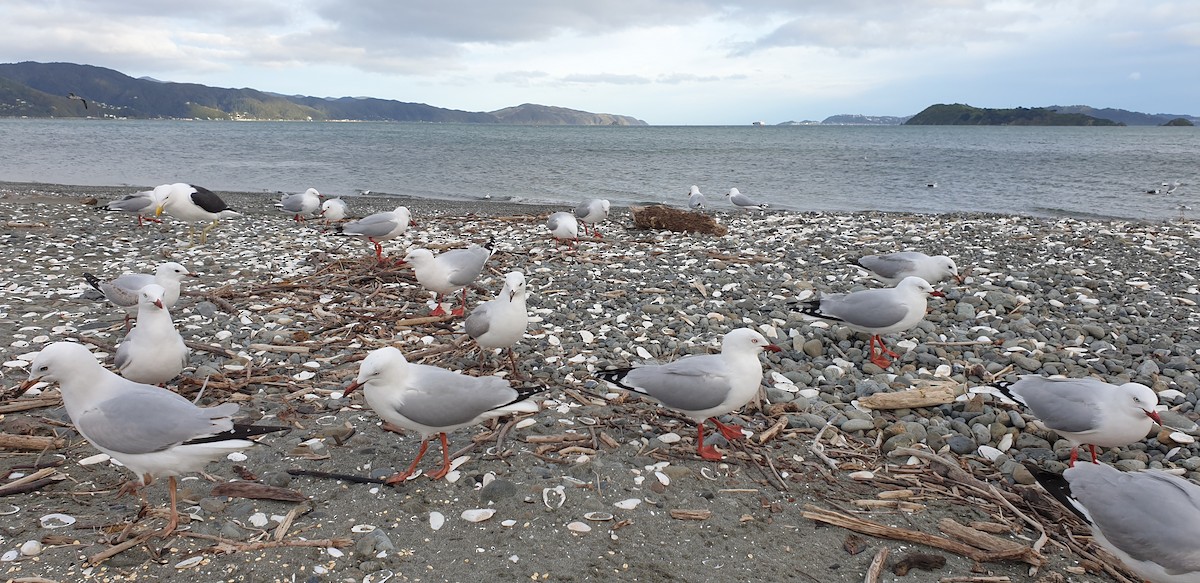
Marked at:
<point>960,114</point>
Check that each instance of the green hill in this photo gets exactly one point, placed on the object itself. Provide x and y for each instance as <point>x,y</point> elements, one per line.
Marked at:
<point>39,90</point>
<point>959,114</point>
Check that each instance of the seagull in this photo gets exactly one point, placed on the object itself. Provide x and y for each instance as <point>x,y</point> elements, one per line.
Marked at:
<point>891,268</point>
<point>744,202</point>
<point>562,227</point>
<point>333,210</point>
<point>123,291</point>
<point>142,203</point>
<point>876,312</point>
<point>78,98</point>
<point>434,401</point>
<point>1150,519</point>
<point>150,430</point>
<point>592,212</point>
<point>188,202</point>
<point>1087,411</point>
<point>501,322</point>
<point>380,227</point>
<point>450,271</point>
<point>301,204</point>
<point>695,199</point>
<point>703,386</point>
<point>153,352</point>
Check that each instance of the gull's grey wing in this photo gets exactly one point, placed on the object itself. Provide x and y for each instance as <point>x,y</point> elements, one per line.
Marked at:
<point>875,308</point>
<point>145,421</point>
<point>124,351</point>
<point>292,203</point>
<point>375,225</point>
<point>740,199</point>
<point>123,291</point>
<point>583,209</point>
<point>464,265</point>
<point>1149,515</point>
<point>134,203</point>
<point>692,383</point>
<point>479,321</point>
<point>1062,404</point>
<point>442,398</point>
<point>555,220</point>
<point>891,265</point>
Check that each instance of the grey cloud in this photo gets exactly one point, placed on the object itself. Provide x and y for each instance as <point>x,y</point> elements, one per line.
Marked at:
<point>607,78</point>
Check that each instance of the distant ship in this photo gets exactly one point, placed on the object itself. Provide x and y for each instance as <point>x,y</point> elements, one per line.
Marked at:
<point>758,123</point>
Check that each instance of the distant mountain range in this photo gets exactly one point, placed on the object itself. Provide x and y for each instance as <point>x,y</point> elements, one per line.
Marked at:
<point>958,114</point>
<point>31,89</point>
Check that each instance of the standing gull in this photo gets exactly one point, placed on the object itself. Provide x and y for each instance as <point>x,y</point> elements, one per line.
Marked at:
<point>153,352</point>
<point>123,291</point>
<point>448,272</point>
<point>563,227</point>
<point>876,312</point>
<point>695,199</point>
<point>333,210</point>
<point>703,386</point>
<point>1087,411</point>
<point>1149,519</point>
<point>380,227</point>
<point>744,202</point>
<point>150,430</point>
<point>302,205</point>
<point>188,202</point>
<point>143,203</point>
<point>891,268</point>
<point>501,322</point>
<point>433,401</point>
<point>591,213</point>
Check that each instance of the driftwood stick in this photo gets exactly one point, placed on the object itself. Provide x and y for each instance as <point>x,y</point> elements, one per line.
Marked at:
<point>230,546</point>
<point>32,481</point>
<point>19,405</point>
<point>115,550</point>
<point>876,568</point>
<point>29,442</point>
<point>344,477</point>
<point>880,530</point>
<point>955,472</point>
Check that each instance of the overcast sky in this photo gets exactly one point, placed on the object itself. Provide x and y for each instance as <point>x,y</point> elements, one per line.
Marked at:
<point>668,62</point>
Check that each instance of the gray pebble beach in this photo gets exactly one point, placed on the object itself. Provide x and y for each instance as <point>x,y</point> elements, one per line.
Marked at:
<point>1049,296</point>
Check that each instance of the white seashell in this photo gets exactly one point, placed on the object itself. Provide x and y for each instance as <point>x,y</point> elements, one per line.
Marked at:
<point>1170,394</point>
<point>508,523</point>
<point>989,453</point>
<point>56,520</point>
<point>671,437</point>
<point>1181,437</point>
<point>436,520</point>
<point>943,370</point>
<point>222,335</point>
<point>190,562</point>
<point>10,556</point>
<point>663,478</point>
<point>862,475</point>
<point>554,497</point>
<point>598,516</point>
<point>553,340</point>
<point>809,393</point>
<point>1005,442</point>
<point>335,552</point>
<point>94,459</point>
<point>31,548</point>
<point>907,345</point>
<point>587,337</point>
<point>363,528</point>
<point>304,375</point>
<point>628,503</point>
<point>320,569</point>
<point>259,519</point>
<point>478,514</point>
<point>642,352</point>
<point>8,509</point>
<point>579,527</point>
<point>458,461</point>
<point>236,456</point>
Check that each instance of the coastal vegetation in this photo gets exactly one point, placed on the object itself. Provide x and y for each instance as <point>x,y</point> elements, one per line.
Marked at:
<point>31,89</point>
<point>960,114</point>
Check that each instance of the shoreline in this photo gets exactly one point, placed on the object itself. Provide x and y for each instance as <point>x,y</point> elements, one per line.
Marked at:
<point>497,207</point>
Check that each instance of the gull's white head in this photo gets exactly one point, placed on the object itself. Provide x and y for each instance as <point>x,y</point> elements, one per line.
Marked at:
<point>58,361</point>
<point>152,295</point>
<point>746,340</point>
<point>514,285</point>
<point>383,365</point>
<point>171,271</point>
<point>1143,400</point>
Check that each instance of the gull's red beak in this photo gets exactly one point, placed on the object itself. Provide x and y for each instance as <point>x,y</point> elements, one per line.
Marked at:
<point>25,386</point>
<point>937,293</point>
<point>1154,415</point>
<point>159,304</point>
<point>350,389</point>
<point>772,348</point>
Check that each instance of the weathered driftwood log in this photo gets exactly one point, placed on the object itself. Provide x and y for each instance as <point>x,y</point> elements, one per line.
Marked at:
<point>659,217</point>
<point>926,394</point>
